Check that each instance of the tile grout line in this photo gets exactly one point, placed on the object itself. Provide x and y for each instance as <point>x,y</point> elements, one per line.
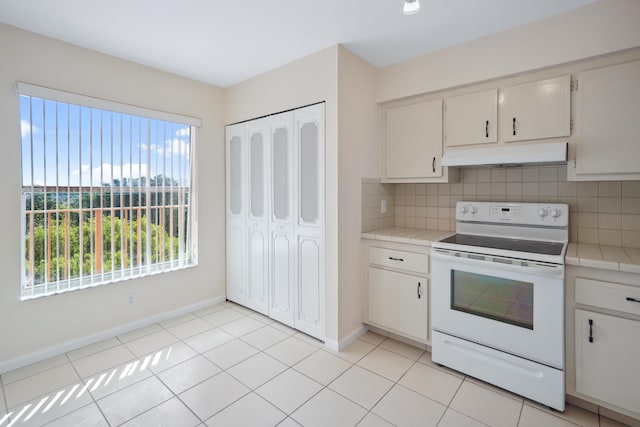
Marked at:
<point>95,402</point>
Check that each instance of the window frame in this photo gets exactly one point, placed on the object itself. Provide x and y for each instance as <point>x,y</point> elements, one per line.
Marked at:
<point>28,288</point>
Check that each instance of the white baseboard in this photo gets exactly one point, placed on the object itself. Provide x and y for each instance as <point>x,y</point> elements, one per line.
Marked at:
<point>46,353</point>
<point>346,342</point>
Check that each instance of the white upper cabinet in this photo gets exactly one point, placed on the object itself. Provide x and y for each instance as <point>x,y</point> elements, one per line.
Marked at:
<point>413,140</point>
<point>536,110</point>
<point>472,119</point>
<point>607,140</point>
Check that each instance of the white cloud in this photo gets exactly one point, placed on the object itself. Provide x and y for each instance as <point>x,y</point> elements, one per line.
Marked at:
<point>104,173</point>
<point>175,146</point>
<point>25,128</point>
<point>183,132</point>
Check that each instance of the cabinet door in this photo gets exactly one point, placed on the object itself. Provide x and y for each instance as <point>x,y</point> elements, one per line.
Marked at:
<point>536,110</point>
<point>606,367</point>
<point>413,142</point>
<point>472,119</point>
<point>258,267</point>
<point>608,120</point>
<point>310,286</point>
<point>399,302</point>
<point>236,171</point>
<point>236,259</point>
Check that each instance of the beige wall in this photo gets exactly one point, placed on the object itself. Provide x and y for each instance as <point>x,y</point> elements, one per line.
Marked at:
<point>30,326</point>
<point>358,158</point>
<point>603,27</point>
<point>308,80</point>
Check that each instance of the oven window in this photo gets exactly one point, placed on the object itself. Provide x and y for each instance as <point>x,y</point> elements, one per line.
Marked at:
<point>504,300</point>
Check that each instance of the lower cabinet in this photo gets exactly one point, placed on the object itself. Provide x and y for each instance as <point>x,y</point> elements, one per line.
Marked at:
<point>398,289</point>
<point>606,333</point>
<point>607,354</point>
<point>399,302</point>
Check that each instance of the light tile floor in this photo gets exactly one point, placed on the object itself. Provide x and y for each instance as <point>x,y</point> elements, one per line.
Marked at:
<point>227,365</point>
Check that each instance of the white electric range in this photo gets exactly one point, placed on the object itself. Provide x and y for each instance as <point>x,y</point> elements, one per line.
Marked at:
<point>498,297</point>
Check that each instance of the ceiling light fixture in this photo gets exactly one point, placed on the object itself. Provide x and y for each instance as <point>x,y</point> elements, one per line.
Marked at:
<point>411,7</point>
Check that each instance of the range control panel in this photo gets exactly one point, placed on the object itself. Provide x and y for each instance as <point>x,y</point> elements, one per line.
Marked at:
<point>550,214</point>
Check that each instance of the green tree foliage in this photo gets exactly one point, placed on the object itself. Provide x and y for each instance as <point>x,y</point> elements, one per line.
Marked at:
<point>119,246</point>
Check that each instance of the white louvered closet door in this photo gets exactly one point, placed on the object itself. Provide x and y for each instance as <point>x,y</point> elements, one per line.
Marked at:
<point>309,151</point>
<point>236,213</point>
<point>258,139</point>
<point>282,221</point>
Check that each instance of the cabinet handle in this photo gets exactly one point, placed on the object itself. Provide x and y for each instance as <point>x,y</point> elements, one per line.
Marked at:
<point>590,330</point>
<point>633,299</point>
<point>486,129</point>
<point>396,259</point>
<point>514,125</point>
<point>419,286</point>
<point>433,165</point>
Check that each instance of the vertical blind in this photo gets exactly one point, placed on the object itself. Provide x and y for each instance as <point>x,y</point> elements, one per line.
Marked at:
<point>107,195</point>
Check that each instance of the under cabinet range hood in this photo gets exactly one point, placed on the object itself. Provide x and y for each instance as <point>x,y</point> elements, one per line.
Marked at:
<point>511,155</point>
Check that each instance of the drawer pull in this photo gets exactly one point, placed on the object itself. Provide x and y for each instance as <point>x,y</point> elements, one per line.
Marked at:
<point>486,129</point>
<point>633,299</point>
<point>395,259</point>
<point>419,294</point>
<point>590,330</point>
<point>514,126</point>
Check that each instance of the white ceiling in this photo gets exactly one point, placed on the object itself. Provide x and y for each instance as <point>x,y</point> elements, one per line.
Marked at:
<point>223,42</point>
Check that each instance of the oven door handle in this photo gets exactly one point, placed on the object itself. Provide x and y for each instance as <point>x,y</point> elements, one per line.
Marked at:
<point>531,267</point>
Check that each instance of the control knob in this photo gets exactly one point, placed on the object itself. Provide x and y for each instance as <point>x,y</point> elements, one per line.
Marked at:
<point>555,213</point>
<point>542,212</point>
<point>473,210</point>
<point>464,209</point>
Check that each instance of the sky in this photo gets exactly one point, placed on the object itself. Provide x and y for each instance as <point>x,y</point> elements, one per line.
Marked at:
<point>96,146</point>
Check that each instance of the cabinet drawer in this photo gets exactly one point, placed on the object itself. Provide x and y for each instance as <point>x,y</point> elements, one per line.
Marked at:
<point>404,260</point>
<point>612,296</point>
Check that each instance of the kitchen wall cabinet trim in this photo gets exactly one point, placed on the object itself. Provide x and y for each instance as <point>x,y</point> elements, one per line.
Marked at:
<point>275,217</point>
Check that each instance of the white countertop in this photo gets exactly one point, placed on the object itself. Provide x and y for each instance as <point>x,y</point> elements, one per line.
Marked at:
<point>414,236</point>
<point>613,258</point>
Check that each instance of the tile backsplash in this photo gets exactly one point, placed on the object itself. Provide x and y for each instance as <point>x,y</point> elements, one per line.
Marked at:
<point>604,212</point>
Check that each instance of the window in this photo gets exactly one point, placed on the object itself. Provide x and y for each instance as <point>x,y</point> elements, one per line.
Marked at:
<point>107,191</point>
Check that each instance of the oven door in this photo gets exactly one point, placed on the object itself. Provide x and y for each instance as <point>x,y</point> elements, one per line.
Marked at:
<point>510,305</point>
